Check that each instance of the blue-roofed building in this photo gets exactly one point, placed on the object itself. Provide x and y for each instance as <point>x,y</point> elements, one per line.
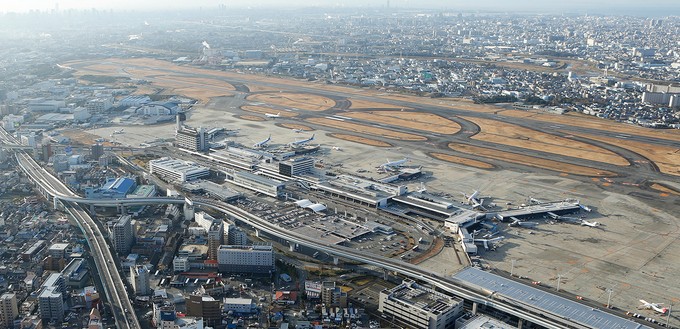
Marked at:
<point>113,188</point>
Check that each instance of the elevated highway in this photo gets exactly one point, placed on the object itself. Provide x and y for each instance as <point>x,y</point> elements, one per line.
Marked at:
<point>122,308</point>
<point>114,287</point>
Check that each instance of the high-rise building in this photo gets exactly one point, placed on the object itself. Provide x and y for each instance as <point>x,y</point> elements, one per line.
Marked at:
<point>207,307</point>
<point>236,236</point>
<point>51,298</point>
<point>419,307</point>
<point>122,234</point>
<point>215,238</point>
<point>96,151</point>
<point>139,277</point>
<point>192,139</point>
<point>8,309</point>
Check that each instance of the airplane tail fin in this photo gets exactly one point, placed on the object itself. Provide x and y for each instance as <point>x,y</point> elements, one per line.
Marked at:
<point>664,310</point>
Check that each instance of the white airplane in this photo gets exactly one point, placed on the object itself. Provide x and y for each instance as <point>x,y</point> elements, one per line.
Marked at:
<point>591,224</point>
<point>301,142</point>
<point>585,208</point>
<point>297,131</point>
<point>122,130</point>
<point>652,306</point>
<point>389,165</point>
<point>337,148</point>
<point>263,143</point>
<point>273,116</point>
<point>474,201</point>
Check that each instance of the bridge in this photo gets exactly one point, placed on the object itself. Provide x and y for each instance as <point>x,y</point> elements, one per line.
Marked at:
<point>53,188</point>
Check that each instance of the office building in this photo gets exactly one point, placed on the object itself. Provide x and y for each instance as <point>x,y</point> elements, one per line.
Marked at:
<point>419,307</point>
<point>8,310</point>
<point>181,264</point>
<point>165,317</point>
<point>122,234</point>
<point>248,259</point>
<point>139,278</point>
<point>333,296</point>
<point>96,151</point>
<point>177,170</point>
<point>205,307</point>
<point>98,105</point>
<point>236,236</point>
<point>51,298</point>
<point>215,238</point>
<point>192,139</point>
<point>297,166</point>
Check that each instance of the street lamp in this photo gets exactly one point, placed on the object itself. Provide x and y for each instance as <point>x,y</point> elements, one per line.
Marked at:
<point>512,268</point>
<point>609,299</point>
<point>668,318</point>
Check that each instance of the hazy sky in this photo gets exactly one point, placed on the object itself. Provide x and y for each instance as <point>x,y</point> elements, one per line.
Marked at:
<point>509,5</point>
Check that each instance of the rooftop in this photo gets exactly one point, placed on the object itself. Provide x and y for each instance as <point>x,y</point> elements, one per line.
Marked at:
<point>547,302</point>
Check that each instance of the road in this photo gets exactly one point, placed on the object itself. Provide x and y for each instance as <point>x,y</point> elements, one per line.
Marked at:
<point>123,311</point>
<point>114,288</point>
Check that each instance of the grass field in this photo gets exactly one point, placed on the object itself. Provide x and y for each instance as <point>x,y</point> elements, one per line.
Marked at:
<point>360,140</point>
<point>462,161</point>
<point>414,120</point>
<point>530,161</point>
<point>666,158</point>
<point>665,191</point>
<point>589,121</point>
<point>307,102</point>
<point>364,129</point>
<point>512,135</point>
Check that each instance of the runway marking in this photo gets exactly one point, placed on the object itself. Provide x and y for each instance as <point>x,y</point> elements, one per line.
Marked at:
<point>622,136</point>
<point>334,118</point>
<point>341,117</point>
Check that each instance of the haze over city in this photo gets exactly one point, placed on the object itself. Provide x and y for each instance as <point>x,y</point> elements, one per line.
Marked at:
<point>339,164</point>
<point>628,7</point>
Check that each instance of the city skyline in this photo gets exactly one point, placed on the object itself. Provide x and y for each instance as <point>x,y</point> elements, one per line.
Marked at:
<point>650,8</point>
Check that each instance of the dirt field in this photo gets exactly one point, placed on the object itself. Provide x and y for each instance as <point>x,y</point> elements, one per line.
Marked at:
<point>263,110</point>
<point>414,120</point>
<point>295,126</point>
<point>589,121</point>
<point>462,161</point>
<point>83,137</point>
<point>530,161</point>
<point>360,140</point>
<point>666,158</point>
<point>359,128</point>
<point>300,101</point>
<point>362,104</point>
<point>250,118</point>
<point>512,135</point>
<point>665,191</point>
